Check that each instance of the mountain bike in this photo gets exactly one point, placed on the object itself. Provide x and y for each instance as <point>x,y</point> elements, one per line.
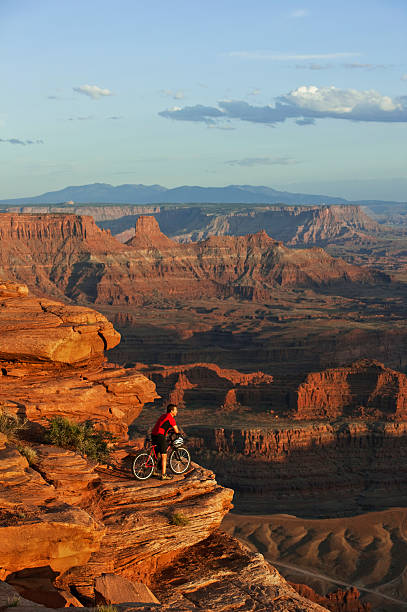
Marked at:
<point>144,462</point>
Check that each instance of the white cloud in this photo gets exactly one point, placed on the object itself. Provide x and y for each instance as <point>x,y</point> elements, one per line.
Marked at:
<point>299,13</point>
<point>338,101</point>
<point>305,105</point>
<point>276,57</point>
<point>93,91</point>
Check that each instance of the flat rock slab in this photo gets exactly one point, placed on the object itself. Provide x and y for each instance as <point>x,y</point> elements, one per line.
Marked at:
<point>113,589</point>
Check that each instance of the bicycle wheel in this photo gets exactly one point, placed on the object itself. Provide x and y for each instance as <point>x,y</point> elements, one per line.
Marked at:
<point>179,460</point>
<point>143,466</point>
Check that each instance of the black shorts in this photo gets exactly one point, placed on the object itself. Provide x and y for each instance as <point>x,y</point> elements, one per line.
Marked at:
<point>161,443</point>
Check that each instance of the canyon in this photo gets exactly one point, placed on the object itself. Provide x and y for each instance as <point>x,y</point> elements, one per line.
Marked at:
<point>371,235</point>
<point>287,363</point>
<point>232,300</point>
<point>65,522</point>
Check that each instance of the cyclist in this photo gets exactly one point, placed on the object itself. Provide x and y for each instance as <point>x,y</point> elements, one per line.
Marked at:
<point>159,433</point>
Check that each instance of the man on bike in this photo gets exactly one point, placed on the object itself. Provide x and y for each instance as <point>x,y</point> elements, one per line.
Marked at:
<point>159,433</point>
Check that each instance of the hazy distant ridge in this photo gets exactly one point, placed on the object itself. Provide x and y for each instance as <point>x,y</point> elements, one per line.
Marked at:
<point>103,193</point>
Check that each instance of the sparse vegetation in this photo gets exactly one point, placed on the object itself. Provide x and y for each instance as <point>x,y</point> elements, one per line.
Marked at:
<point>179,519</point>
<point>13,602</point>
<point>106,608</point>
<point>28,452</point>
<point>18,514</point>
<point>10,425</point>
<point>80,437</point>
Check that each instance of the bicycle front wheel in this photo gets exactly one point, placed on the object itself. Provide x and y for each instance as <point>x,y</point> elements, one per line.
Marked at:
<point>179,460</point>
<point>143,466</point>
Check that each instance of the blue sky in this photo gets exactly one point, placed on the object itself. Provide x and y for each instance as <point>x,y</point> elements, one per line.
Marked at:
<point>307,95</point>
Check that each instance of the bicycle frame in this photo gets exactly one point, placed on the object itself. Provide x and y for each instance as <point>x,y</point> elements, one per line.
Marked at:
<point>152,455</point>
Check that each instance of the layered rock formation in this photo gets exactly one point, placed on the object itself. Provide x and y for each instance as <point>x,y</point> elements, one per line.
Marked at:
<point>206,384</point>
<point>366,389</point>
<point>43,250</point>
<point>133,536</point>
<point>37,528</point>
<point>221,574</point>
<point>248,267</point>
<point>294,225</point>
<point>52,364</point>
<point>70,255</point>
<point>319,469</point>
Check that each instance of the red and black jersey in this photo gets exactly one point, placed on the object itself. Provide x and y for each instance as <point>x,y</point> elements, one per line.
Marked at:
<point>164,423</point>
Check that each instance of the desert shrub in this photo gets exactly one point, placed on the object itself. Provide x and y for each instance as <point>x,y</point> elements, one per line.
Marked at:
<point>28,452</point>
<point>179,519</point>
<point>106,608</point>
<point>80,437</point>
<point>13,602</point>
<point>10,425</point>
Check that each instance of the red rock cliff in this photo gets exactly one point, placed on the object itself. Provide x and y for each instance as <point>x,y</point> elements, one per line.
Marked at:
<point>366,389</point>
<point>52,364</point>
<point>72,256</point>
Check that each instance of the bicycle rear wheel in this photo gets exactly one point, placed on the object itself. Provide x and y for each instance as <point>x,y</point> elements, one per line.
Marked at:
<point>143,466</point>
<point>179,460</point>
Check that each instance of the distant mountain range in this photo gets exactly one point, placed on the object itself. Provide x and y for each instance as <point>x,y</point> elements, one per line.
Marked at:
<point>103,193</point>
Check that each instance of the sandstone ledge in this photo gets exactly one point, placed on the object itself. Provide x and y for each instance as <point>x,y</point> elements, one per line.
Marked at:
<point>41,330</point>
<point>37,528</point>
<point>222,574</point>
<point>52,364</point>
<point>137,515</point>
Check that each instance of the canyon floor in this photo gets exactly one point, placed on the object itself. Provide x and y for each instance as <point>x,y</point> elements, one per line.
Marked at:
<point>368,551</point>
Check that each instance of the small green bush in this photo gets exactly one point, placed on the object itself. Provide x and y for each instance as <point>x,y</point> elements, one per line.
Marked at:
<point>10,425</point>
<point>13,602</point>
<point>80,437</point>
<point>179,519</point>
<point>106,608</point>
<point>28,452</point>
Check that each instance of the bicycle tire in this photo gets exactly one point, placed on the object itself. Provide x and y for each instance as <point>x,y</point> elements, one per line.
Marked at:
<point>179,460</point>
<point>142,466</point>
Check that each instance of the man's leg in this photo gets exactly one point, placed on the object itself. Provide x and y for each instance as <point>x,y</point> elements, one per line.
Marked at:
<point>163,464</point>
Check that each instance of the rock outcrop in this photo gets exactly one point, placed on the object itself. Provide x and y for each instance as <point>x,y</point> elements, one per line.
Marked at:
<point>52,364</point>
<point>339,601</point>
<point>366,389</point>
<point>206,384</point>
<point>37,527</point>
<point>222,574</point>
<point>43,250</point>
